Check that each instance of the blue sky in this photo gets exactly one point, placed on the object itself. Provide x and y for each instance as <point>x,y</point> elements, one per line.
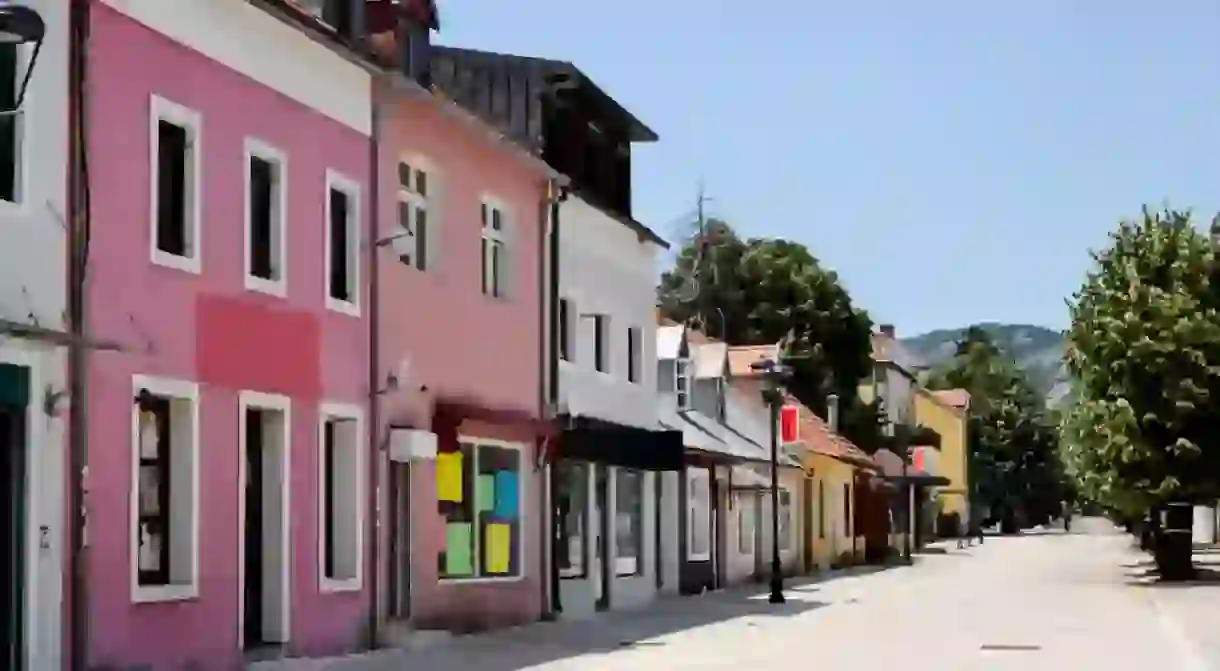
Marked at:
<point>953,161</point>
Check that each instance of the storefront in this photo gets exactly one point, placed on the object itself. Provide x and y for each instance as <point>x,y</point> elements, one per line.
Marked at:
<point>608,484</point>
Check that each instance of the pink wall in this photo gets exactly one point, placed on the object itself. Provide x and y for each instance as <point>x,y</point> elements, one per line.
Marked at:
<point>460,341</point>
<point>207,328</point>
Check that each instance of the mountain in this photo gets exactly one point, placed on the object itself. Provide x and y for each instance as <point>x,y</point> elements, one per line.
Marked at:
<point>1037,350</point>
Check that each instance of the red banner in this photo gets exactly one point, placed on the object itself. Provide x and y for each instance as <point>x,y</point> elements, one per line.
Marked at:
<point>788,416</point>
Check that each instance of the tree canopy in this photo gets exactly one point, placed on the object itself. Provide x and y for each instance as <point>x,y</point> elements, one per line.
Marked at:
<point>1144,353</point>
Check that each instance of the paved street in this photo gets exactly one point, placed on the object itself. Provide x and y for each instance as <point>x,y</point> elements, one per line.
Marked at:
<point>1041,601</point>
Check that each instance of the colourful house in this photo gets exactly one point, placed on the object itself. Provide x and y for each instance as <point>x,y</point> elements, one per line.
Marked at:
<point>227,490</point>
<point>946,413</point>
<point>460,266</point>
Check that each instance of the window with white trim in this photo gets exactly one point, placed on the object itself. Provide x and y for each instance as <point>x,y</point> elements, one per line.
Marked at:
<point>175,165</point>
<point>414,222</point>
<point>266,206</point>
<point>635,355</point>
<point>628,522</point>
<point>601,343</point>
<point>164,529</point>
<point>698,514</point>
<point>479,496</point>
<point>342,244</point>
<point>682,383</point>
<point>785,519</point>
<point>495,249</point>
<point>572,508</point>
<point>745,523</point>
<point>14,59</point>
<point>567,330</point>
<point>340,504</point>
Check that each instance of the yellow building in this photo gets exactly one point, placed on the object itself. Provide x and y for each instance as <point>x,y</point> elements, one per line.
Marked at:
<point>945,412</point>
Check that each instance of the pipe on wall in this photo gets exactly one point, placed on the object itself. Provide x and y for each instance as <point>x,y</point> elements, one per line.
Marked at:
<point>549,350</point>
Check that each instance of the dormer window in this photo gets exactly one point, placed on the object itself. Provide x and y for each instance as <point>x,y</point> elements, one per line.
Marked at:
<point>682,383</point>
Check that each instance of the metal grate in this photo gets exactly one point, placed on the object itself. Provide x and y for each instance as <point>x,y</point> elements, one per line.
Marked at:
<point>1000,647</point>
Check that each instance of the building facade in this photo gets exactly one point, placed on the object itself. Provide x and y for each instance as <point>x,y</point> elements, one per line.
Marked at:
<point>33,299</point>
<point>228,447</point>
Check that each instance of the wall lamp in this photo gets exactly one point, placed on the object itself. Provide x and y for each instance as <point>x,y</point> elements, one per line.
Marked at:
<point>21,25</point>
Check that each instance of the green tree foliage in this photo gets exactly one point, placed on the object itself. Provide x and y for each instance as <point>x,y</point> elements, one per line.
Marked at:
<point>763,291</point>
<point>1012,442</point>
<point>1144,352</point>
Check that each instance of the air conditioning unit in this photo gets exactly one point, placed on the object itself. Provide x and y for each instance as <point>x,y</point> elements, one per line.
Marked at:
<point>408,445</point>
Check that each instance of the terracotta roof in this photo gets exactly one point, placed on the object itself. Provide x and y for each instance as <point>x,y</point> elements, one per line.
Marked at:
<point>958,398</point>
<point>742,356</point>
<point>662,320</point>
<point>817,437</point>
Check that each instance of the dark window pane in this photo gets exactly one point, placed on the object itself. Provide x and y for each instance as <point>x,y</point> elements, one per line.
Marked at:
<point>262,180</point>
<point>404,176</point>
<point>171,188</point>
<point>421,238</point>
<point>9,148</point>
<point>421,183</point>
<point>339,286</point>
<point>328,474</point>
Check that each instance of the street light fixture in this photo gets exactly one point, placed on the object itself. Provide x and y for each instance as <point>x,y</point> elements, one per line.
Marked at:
<point>774,373</point>
<point>21,25</point>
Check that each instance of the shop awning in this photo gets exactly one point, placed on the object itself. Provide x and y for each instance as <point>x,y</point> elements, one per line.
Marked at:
<point>599,441</point>
<point>745,478</point>
<point>892,470</point>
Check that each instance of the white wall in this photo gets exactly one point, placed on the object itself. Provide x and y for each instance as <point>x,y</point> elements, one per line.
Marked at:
<point>900,406</point>
<point>33,277</point>
<point>264,48</point>
<point>605,268</point>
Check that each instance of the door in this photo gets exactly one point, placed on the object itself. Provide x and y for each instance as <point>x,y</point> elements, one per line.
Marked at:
<point>601,531</point>
<point>12,536</point>
<point>400,540</point>
<point>254,572</point>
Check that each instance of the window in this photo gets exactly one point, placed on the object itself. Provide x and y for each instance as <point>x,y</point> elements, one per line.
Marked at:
<point>495,251</point>
<point>413,221</point>
<point>266,205</point>
<point>601,343</point>
<point>682,383</point>
<point>628,522</point>
<point>567,328</point>
<point>342,244</point>
<point>341,498</point>
<point>698,514</point>
<point>785,519</point>
<point>478,491</point>
<point>176,220</point>
<point>13,64</point>
<point>572,505</point>
<point>847,525</point>
<point>634,355</point>
<point>821,509</point>
<point>165,493</point>
<point>745,523</point>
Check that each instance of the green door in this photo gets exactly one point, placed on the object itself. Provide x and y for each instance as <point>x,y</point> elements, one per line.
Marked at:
<point>14,398</point>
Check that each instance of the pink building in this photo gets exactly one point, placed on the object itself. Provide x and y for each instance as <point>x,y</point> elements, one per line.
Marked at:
<point>460,279</point>
<point>228,449</point>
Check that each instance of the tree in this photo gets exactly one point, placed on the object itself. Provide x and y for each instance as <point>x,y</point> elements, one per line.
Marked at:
<point>1144,352</point>
<point>762,291</point>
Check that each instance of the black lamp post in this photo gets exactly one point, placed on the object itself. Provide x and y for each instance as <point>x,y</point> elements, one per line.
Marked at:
<point>773,374</point>
<point>21,25</point>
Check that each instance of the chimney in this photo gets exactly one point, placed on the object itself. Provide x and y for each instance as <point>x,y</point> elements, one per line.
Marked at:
<point>887,330</point>
<point>832,412</point>
<point>401,33</point>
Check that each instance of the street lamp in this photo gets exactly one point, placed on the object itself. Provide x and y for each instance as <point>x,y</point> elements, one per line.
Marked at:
<point>773,374</point>
<point>21,25</point>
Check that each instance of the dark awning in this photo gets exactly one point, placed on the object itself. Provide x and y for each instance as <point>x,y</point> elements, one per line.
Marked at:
<point>599,441</point>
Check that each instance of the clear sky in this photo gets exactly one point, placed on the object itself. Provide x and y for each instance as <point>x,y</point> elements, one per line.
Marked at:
<point>952,160</point>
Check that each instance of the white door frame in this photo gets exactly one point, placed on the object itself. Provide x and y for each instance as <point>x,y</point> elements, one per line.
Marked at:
<point>282,404</point>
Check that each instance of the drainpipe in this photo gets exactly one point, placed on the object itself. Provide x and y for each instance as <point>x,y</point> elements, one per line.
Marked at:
<point>557,195</point>
<point>78,250</point>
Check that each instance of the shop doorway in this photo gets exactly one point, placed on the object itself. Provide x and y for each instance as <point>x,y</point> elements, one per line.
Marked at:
<point>265,585</point>
<point>13,506</point>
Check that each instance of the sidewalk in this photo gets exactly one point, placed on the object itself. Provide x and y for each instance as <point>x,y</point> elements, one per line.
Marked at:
<point>575,644</point>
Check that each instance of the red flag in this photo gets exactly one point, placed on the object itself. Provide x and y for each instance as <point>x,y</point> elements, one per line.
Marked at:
<point>788,416</point>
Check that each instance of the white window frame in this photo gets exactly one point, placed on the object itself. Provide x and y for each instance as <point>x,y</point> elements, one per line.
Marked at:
<point>428,202</point>
<point>282,404</point>
<point>255,148</point>
<point>635,356</point>
<point>161,109</point>
<point>705,475</point>
<point>504,237</point>
<point>682,374</point>
<point>339,182</point>
<point>22,122</point>
<point>178,390</point>
<point>353,413</point>
<point>746,509</point>
<point>522,527</point>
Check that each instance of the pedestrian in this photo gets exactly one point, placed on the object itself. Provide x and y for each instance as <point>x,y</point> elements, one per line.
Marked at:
<point>977,528</point>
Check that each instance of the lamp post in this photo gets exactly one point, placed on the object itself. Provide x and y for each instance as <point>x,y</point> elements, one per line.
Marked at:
<point>773,374</point>
<point>21,25</point>
<point>907,504</point>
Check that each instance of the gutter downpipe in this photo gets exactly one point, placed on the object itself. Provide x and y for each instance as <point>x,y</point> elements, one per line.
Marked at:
<point>558,193</point>
<point>374,428</point>
<point>78,249</point>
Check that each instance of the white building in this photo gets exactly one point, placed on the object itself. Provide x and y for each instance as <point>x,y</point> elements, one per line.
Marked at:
<point>33,300</point>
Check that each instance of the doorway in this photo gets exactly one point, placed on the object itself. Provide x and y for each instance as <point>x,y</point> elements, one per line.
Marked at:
<point>12,535</point>
<point>400,540</point>
<point>264,502</point>
<point>603,563</point>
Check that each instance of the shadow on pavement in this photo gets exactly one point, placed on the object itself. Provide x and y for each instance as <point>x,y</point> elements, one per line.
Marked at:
<point>535,644</point>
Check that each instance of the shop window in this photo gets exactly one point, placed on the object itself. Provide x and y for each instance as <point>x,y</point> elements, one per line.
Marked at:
<point>698,514</point>
<point>479,495</point>
<point>572,501</point>
<point>628,522</point>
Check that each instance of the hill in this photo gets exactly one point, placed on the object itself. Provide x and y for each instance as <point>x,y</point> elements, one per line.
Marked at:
<point>1037,350</point>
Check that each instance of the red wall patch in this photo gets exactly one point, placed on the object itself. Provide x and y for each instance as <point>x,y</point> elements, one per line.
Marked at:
<point>240,344</point>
